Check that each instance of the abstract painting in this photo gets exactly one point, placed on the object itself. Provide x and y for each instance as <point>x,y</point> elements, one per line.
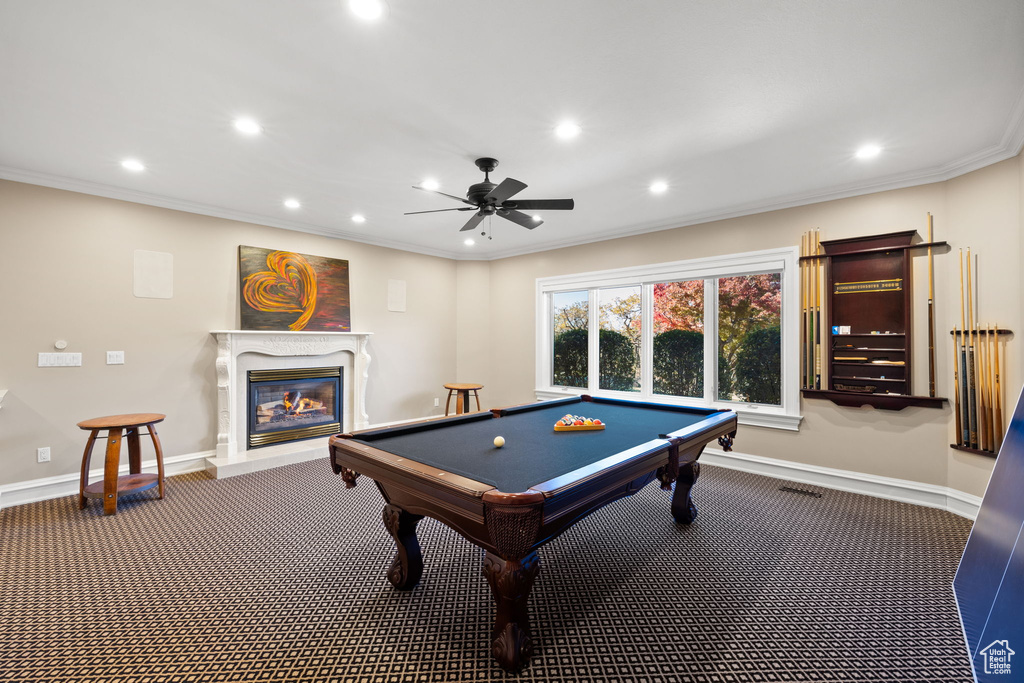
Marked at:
<point>283,290</point>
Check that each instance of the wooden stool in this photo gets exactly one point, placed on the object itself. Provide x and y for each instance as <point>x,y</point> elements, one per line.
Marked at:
<point>462,392</point>
<point>113,485</point>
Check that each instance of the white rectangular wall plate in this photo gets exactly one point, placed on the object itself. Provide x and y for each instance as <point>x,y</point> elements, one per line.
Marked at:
<point>153,275</point>
<point>115,357</point>
<point>60,360</point>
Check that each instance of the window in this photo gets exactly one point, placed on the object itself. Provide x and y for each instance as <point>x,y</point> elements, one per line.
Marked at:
<point>570,323</point>
<point>619,339</point>
<point>713,332</point>
<point>750,338</point>
<point>678,368</point>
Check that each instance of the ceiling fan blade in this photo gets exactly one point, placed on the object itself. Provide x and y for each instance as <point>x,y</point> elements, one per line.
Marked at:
<point>450,196</point>
<point>539,204</point>
<point>458,208</point>
<point>473,222</point>
<point>505,189</point>
<point>520,218</point>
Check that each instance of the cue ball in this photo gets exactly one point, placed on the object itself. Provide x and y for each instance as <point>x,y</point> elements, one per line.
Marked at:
<point>499,441</point>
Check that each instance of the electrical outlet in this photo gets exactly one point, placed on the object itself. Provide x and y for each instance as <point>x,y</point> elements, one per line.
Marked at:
<point>43,454</point>
<point>437,403</point>
<point>115,357</point>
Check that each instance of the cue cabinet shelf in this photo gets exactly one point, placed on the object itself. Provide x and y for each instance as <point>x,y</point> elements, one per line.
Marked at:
<point>868,290</point>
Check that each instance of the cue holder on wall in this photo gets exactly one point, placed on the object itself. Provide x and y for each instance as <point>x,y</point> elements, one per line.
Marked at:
<point>858,336</point>
<point>978,362</point>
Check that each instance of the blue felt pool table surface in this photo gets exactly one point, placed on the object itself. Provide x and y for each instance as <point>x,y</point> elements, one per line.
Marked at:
<point>533,452</point>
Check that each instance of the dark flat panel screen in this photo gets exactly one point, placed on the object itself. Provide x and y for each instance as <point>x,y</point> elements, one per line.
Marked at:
<point>989,585</point>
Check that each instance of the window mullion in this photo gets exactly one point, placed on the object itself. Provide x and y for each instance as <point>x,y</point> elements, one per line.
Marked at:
<point>647,340</point>
<point>593,337</point>
<point>711,340</point>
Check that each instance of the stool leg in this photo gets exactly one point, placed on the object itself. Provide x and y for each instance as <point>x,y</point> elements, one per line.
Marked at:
<point>134,453</point>
<point>448,402</point>
<point>159,459</point>
<point>463,402</point>
<point>477,394</point>
<point>86,459</point>
<point>110,471</point>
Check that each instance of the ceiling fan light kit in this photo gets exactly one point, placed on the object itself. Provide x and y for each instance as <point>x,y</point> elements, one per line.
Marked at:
<point>490,199</point>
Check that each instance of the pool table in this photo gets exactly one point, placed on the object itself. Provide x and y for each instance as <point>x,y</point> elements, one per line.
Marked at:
<point>512,500</point>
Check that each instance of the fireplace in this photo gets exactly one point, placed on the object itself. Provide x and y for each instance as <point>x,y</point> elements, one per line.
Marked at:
<point>293,404</point>
<point>240,352</point>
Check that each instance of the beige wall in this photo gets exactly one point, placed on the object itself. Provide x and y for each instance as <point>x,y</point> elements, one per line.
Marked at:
<point>68,264</point>
<point>68,275</point>
<point>981,210</point>
<point>473,346</point>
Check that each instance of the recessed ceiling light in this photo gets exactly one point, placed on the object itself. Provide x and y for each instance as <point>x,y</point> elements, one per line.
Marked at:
<point>537,219</point>
<point>658,186</point>
<point>567,130</point>
<point>358,218</point>
<point>469,242</point>
<point>430,184</point>
<point>367,9</point>
<point>868,151</point>
<point>248,126</point>
<point>133,165</point>
<point>292,203</point>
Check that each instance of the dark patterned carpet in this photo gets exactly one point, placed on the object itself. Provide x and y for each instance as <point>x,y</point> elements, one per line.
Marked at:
<point>279,576</point>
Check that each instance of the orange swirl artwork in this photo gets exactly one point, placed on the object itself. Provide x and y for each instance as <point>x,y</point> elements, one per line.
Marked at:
<point>283,290</point>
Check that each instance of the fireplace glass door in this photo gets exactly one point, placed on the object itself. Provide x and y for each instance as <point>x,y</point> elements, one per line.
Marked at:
<point>294,404</point>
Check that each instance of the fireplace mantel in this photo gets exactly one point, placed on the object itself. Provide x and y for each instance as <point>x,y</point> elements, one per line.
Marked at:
<point>241,350</point>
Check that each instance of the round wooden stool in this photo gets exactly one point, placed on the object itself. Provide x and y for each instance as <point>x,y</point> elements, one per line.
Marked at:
<point>112,485</point>
<point>462,392</point>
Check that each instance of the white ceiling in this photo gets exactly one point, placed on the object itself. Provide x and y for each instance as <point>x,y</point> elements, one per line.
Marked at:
<point>740,105</point>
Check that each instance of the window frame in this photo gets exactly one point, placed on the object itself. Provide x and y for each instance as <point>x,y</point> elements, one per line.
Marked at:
<point>784,261</point>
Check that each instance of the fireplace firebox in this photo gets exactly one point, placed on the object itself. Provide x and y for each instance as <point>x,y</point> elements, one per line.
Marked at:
<point>293,404</point>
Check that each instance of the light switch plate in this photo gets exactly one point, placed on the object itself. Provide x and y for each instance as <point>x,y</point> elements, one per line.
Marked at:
<point>60,360</point>
<point>115,357</point>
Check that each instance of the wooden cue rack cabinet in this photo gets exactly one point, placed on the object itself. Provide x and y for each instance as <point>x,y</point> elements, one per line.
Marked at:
<point>868,290</point>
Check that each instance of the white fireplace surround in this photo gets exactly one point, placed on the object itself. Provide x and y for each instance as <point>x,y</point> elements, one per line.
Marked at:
<point>239,351</point>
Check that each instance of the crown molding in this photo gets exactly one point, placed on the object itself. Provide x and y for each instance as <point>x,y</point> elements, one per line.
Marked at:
<point>1009,146</point>
<point>134,196</point>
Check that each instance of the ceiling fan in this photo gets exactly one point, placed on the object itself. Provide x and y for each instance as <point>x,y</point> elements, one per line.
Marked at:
<point>488,199</point>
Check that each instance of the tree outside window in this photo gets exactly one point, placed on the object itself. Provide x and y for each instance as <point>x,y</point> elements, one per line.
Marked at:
<point>679,338</point>
<point>750,338</point>
<point>619,341</point>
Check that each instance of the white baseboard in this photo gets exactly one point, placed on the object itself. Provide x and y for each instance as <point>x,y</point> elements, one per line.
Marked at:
<point>35,490</point>
<point>928,495</point>
<point>917,493</point>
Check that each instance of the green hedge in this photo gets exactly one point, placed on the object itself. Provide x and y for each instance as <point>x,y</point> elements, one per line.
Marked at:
<point>758,366</point>
<point>679,363</point>
<point>569,365</point>
<point>617,366</point>
<point>618,363</point>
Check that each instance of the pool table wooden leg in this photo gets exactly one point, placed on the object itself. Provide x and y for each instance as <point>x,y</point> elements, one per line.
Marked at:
<point>683,508</point>
<point>407,567</point>
<point>511,581</point>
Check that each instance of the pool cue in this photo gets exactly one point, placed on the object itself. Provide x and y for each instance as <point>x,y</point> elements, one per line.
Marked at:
<point>812,319</point>
<point>990,416</point>
<point>999,396</point>
<point>817,312</point>
<point>931,315</point>
<point>972,371</point>
<point>803,312</point>
<point>982,382</point>
<point>965,391</point>
<point>956,391</point>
